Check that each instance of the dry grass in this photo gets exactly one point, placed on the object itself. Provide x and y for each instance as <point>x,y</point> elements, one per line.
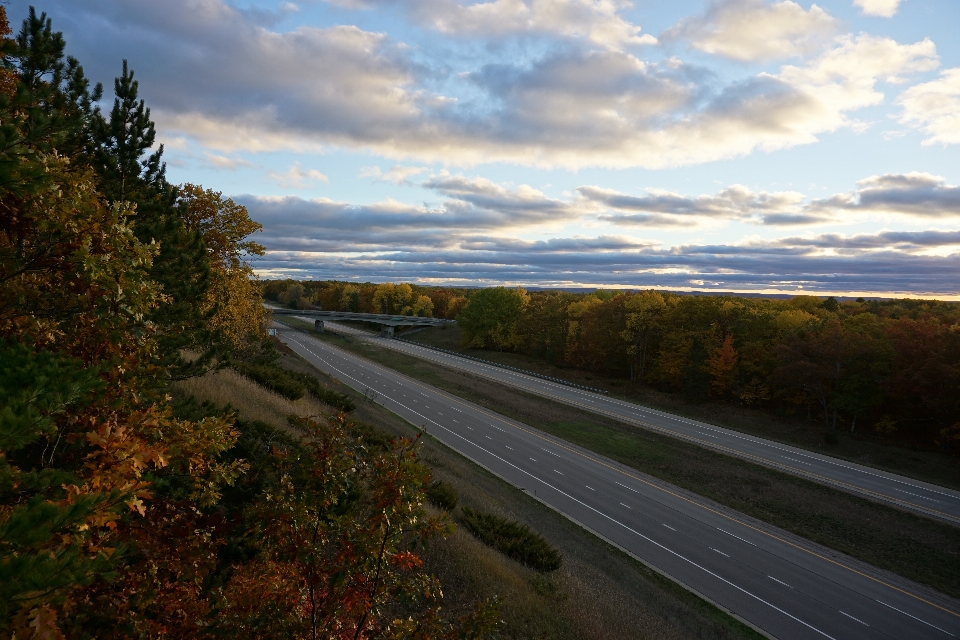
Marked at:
<point>250,400</point>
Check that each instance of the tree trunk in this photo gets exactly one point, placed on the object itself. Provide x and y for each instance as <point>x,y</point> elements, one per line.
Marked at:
<point>853,424</point>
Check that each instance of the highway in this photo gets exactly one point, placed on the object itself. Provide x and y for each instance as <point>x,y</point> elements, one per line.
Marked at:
<point>906,493</point>
<point>786,587</point>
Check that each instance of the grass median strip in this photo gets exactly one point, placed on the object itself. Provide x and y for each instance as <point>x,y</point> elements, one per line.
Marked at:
<point>861,447</point>
<point>915,547</point>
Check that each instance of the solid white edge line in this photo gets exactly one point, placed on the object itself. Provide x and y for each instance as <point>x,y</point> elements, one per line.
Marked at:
<point>918,619</point>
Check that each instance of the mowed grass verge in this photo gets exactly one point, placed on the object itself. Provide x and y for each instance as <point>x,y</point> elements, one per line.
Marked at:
<point>912,546</point>
<point>599,592</point>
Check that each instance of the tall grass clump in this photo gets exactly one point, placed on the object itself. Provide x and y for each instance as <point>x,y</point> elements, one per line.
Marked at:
<point>442,495</point>
<point>292,385</point>
<point>512,539</point>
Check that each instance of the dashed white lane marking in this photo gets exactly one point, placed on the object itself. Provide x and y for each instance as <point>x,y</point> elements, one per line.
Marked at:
<point>720,552</point>
<point>533,459</point>
<point>669,527</point>
<point>589,487</point>
<point>627,506</point>
<point>781,582</point>
<point>555,471</point>
<point>852,618</point>
<point>737,537</point>
<point>508,447</point>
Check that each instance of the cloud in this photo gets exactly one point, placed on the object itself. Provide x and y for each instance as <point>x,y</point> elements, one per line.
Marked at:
<point>753,30</point>
<point>522,205</point>
<point>298,178</point>
<point>733,203</point>
<point>473,237</point>
<point>881,8</point>
<point>223,162</point>
<point>215,75</point>
<point>817,264</point>
<point>884,240</point>
<point>471,205</point>
<point>598,22</point>
<point>907,195</point>
<point>934,108</point>
<point>397,175</point>
<point>916,194</point>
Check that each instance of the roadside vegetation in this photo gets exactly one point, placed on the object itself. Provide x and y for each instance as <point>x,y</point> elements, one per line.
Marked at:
<point>915,547</point>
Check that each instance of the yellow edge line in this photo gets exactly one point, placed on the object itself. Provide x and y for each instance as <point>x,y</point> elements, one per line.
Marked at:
<point>650,484</point>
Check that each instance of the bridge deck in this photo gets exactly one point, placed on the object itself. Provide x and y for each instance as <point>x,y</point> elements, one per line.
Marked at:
<point>378,318</point>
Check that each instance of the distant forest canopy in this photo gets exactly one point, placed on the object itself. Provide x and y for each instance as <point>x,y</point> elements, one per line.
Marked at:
<point>887,366</point>
<point>368,297</point>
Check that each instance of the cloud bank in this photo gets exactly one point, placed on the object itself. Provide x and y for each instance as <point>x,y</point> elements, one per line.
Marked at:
<point>232,84</point>
<point>471,237</point>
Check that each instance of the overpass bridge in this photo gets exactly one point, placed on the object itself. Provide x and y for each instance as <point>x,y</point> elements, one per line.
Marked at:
<point>386,321</point>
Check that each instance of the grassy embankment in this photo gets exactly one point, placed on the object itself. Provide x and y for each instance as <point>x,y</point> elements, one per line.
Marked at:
<point>862,448</point>
<point>915,547</point>
<point>598,592</point>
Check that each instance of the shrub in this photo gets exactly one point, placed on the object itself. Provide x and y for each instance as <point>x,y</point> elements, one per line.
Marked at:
<point>333,398</point>
<point>512,539</point>
<point>293,385</point>
<point>442,495</point>
<point>273,378</point>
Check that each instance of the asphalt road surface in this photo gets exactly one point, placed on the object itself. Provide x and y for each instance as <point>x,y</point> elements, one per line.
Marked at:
<point>776,582</point>
<point>907,493</point>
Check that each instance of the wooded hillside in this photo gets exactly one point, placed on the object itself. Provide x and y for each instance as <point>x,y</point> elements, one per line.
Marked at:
<point>123,514</point>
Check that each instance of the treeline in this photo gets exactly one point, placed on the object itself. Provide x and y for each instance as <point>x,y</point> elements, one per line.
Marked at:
<point>368,297</point>
<point>890,366</point>
<point>122,514</point>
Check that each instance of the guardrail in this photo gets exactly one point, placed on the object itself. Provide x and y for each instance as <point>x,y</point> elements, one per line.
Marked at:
<point>504,366</point>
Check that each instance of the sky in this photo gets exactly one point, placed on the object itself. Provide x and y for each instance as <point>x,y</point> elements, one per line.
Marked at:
<point>721,145</point>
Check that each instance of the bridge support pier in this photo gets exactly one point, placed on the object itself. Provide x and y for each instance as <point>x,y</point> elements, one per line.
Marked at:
<point>318,326</point>
<point>385,331</point>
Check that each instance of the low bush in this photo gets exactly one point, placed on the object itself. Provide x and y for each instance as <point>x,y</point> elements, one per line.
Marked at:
<point>327,396</point>
<point>293,385</point>
<point>443,495</point>
<point>512,539</point>
<point>273,378</point>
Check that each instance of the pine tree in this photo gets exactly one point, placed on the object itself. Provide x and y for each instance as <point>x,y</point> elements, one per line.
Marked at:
<point>125,138</point>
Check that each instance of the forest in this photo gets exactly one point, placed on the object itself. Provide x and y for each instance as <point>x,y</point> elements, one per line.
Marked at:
<point>887,367</point>
<point>125,514</point>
